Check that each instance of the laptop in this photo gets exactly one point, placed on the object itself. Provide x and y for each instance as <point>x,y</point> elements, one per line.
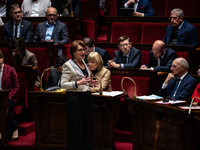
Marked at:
<point>126,11</point>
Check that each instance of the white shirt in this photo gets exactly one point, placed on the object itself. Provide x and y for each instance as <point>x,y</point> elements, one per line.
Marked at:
<point>35,9</point>
<point>3,9</point>
<point>1,73</point>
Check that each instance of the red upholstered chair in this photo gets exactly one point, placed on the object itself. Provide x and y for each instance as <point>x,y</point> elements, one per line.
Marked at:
<point>88,29</point>
<point>159,7</point>
<point>183,54</point>
<point>132,30</point>
<point>145,57</point>
<point>152,32</point>
<point>142,85</point>
<point>85,11</point>
<point>66,50</point>
<point>111,7</point>
<point>190,9</point>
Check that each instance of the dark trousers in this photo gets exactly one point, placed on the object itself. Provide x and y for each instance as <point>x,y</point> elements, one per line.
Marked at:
<point>80,124</point>
<point>11,123</point>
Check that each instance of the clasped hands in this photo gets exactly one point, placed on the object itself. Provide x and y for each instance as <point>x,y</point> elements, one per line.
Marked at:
<point>112,64</point>
<point>88,81</point>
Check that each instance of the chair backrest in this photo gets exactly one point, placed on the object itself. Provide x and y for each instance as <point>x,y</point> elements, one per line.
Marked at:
<point>132,30</point>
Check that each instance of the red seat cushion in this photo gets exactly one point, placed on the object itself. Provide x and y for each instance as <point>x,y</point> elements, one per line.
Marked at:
<point>153,31</point>
<point>145,57</point>
<point>183,54</point>
<point>88,28</point>
<point>132,30</point>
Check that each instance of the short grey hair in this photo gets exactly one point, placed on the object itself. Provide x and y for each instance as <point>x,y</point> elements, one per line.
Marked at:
<point>178,11</point>
<point>183,62</point>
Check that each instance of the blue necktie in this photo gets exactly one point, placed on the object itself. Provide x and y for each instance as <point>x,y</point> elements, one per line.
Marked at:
<point>175,88</point>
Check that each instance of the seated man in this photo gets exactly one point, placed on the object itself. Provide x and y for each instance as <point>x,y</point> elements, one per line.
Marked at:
<point>160,58</point>
<point>52,30</point>
<point>54,78</point>
<point>127,56</point>
<point>35,8</point>
<point>64,7</point>
<point>91,48</point>
<point>142,7</point>
<point>17,27</point>
<point>5,7</point>
<point>21,56</point>
<point>179,84</point>
<point>180,32</point>
<point>9,81</point>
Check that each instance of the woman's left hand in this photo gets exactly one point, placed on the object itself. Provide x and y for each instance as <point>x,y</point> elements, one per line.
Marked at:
<point>94,83</point>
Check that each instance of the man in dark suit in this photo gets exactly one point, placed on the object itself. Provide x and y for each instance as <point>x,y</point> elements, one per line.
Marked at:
<point>178,84</point>
<point>9,81</point>
<point>52,30</point>
<point>180,32</point>
<point>142,8</point>
<point>64,7</point>
<point>5,7</point>
<point>54,78</point>
<point>91,48</point>
<point>127,56</point>
<point>17,27</point>
<point>161,58</point>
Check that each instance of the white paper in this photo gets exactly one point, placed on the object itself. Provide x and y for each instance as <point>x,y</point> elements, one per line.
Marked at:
<point>172,102</point>
<point>112,94</point>
<point>149,97</point>
<point>188,107</point>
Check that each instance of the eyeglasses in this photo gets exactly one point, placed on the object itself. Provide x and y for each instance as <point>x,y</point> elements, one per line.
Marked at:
<point>17,12</point>
<point>123,45</point>
<point>51,15</point>
<point>174,18</point>
<point>81,50</point>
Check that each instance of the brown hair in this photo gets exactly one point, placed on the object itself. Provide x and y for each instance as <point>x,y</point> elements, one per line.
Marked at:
<point>17,43</point>
<point>1,54</point>
<point>123,38</point>
<point>74,46</point>
<point>14,6</point>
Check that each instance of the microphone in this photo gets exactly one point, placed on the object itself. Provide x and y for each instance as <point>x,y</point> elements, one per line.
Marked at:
<point>101,89</point>
<point>189,112</point>
<point>52,67</point>
<point>125,94</point>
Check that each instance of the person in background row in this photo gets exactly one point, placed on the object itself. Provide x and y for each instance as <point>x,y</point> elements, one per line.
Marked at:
<point>180,32</point>
<point>90,47</point>
<point>5,7</point>
<point>54,78</point>
<point>64,7</point>
<point>142,8</point>
<point>179,84</point>
<point>21,56</point>
<point>35,8</point>
<point>95,63</point>
<point>52,30</point>
<point>9,80</point>
<point>127,56</point>
<point>17,27</point>
<point>161,58</point>
<point>196,92</point>
<point>76,79</point>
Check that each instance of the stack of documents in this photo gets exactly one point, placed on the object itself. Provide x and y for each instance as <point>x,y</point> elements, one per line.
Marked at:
<point>150,97</point>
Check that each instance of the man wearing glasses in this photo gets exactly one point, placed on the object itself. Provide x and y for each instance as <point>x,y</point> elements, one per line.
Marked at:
<point>180,32</point>
<point>17,27</point>
<point>179,84</point>
<point>127,56</point>
<point>52,30</point>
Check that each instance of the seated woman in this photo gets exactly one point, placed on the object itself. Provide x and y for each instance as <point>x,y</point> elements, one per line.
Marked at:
<point>197,91</point>
<point>95,63</point>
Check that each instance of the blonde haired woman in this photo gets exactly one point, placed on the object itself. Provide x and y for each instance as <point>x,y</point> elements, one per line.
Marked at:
<point>95,63</point>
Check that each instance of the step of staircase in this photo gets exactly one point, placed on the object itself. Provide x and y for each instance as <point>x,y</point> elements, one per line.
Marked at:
<point>26,128</point>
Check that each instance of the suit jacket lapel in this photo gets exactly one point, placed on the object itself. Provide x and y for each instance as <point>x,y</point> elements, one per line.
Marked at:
<point>183,82</point>
<point>181,30</point>
<point>54,29</point>
<point>131,55</point>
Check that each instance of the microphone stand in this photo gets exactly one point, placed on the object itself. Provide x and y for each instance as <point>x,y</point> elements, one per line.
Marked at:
<point>189,112</point>
<point>134,96</point>
<point>100,90</point>
<point>72,13</point>
<point>41,89</point>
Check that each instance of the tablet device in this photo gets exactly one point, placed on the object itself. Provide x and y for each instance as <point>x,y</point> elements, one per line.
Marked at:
<point>126,11</point>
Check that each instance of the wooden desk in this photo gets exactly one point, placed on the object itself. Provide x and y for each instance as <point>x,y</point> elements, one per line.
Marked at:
<point>175,130</point>
<point>51,122</point>
<point>4,105</point>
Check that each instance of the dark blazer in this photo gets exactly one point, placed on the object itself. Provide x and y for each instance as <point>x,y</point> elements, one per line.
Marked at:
<point>8,4</point>
<point>104,54</point>
<point>186,36</point>
<point>76,4</point>
<point>10,81</point>
<point>144,6</point>
<point>134,60</point>
<point>185,89</point>
<point>53,78</point>
<point>26,31</point>
<point>59,35</point>
<point>166,62</point>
